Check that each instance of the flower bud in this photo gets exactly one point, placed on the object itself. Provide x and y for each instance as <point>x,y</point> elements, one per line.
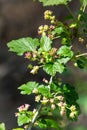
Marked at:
<point>60,98</point>
<point>73,114</point>
<point>45,80</point>
<point>41,28</point>
<point>44,101</point>
<point>51,100</point>
<point>17,114</point>
<point>60,104</point>
<point>27,55</point>
<point>73,108</point>
<point>62,113</point>
<point>46,27</point>
<point>53,106</point>
<point>34,70</point>
<point>37,98</point>
<point>35,90</point>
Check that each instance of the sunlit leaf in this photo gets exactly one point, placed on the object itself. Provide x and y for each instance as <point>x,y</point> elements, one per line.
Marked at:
<point>45,43</point>
<point>23,45</point>
<point>54,2</point>
<point>28,87</point>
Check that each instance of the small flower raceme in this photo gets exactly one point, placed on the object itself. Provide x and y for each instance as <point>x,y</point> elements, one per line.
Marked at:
<point>48,15</point>
<point>21,109</point>
<point>73,112</point>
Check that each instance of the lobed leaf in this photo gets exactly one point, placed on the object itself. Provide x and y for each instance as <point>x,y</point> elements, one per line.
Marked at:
<point>44,90</point>
<point>23,119</point>
<point>45,43</point>
<point>54,2</point>
<point>23,45</point>
<point>65,51</point>
<point>28,87</point>
<point>52,68</point>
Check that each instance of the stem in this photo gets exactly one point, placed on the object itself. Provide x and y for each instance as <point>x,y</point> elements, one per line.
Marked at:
<point>51,78</point>
<point>39,109</point>
<point>83,54</point>
<point>55,37</point>
<point>35,117</point>
<point>82,8</point>
<point>71,12</point>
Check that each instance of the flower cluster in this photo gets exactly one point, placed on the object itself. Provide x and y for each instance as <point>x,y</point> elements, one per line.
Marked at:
<point>42,29</point>
<point>22,109</point>
<point>48,15</point>
<point>73,112</point>
<point>47,29</point>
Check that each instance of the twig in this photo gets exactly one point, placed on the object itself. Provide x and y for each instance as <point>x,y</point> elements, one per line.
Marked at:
<point>38,111</point>
<point>83,54</point>
<point>35,117</point>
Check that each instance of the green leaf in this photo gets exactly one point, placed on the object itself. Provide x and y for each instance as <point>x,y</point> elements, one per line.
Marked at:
<point>23,119</point>
<point>51,123</point>
<point>70,93</point>
<point>82,62</point>
<point>63,60</point>
<point>2,126</point>
<point>59,67</point>
<point>49,69</point>
<point>45,43</point>
<point>28,87</point>
<point>65,51</point>
<point>23,45</point>
<point>58,30</point>
<point>44,90</point>
<point>52,68</point>
<point>18,129</point>
<point>48,123</point>
<point>84,2</point>
<point>83,20</point>
<point>54,2</point>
